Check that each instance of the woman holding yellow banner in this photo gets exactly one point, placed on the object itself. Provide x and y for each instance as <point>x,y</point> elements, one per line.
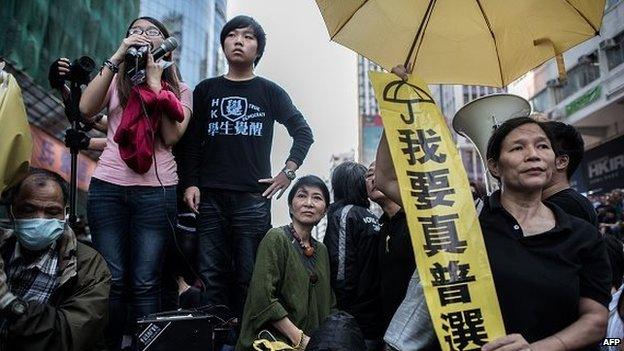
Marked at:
<point>550,269</point>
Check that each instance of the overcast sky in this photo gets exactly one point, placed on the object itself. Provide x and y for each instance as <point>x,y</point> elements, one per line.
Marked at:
<point>320,76</point>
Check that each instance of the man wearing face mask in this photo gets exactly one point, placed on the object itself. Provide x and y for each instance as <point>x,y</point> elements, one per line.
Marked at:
<point>53,289</point>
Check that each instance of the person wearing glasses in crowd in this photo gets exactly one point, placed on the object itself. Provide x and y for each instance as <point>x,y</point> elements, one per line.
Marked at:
<point>132,195</point>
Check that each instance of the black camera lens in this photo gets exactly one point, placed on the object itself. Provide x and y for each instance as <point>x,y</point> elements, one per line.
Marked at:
<point>80,70</point>
<point>136,58</point>
<point>132,51</point>
<point>86,64</point>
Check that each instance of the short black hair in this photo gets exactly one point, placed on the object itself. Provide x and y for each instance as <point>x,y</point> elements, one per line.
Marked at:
<point>309,181</point>
<point>349,184</point>
<point>42,177</point>
<point>338,332</point>
<point>495,143</point>
<point>242,21</point>
<point>567,141</point>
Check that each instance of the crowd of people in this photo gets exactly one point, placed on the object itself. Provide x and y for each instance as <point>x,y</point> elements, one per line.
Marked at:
<point>179,212</point>
<point>610,217</point>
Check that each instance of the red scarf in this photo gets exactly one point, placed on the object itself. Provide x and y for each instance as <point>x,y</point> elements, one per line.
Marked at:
<point>136,133</point>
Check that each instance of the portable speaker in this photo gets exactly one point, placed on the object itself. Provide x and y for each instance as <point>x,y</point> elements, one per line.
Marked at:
<point>182,330</point>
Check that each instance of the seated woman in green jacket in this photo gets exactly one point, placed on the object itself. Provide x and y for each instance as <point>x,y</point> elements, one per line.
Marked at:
<point>290,294</point>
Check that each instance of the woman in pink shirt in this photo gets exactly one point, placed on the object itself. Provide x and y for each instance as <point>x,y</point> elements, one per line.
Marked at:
<point>132,196</point>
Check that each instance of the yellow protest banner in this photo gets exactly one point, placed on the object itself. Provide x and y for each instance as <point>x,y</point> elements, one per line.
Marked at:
<point>446,237</point>
<point>15,139</point>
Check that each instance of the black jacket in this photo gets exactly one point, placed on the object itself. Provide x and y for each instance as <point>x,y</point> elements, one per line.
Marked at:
<point>352,239</point>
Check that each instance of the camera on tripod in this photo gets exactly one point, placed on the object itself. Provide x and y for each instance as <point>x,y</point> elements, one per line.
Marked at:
<point>79,74</point>
<point>80,70</point>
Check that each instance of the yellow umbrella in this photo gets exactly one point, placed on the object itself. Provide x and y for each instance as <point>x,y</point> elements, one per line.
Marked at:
<point>15,139</point>
<point>481,42</point>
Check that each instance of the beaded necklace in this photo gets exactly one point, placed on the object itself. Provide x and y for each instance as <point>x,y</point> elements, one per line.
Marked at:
<point>308,250</point>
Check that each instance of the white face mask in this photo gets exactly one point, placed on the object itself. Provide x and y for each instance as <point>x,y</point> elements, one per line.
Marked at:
<point>38,233</point>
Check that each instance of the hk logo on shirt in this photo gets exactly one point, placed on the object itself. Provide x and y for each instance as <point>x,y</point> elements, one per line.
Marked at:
<point>231,115</point>
<point>234,108</point>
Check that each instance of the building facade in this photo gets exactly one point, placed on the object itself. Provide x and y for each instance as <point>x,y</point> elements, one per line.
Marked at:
<point>218,63</point>
<point>450,98</point>
<point>591,99</point>
<point>196,24</point>
<point>369,121</point>
<point>592,96</point>
<point>33,34</point>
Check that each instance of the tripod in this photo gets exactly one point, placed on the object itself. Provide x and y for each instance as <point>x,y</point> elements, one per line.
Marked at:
<point>78,75</point>
<point>72,111</point>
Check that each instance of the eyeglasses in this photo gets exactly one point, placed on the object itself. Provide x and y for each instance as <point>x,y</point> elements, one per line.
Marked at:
<point>150,32</point>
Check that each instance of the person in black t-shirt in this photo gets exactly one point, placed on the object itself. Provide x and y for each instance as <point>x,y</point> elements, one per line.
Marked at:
<point>569,148</point>
<point>225,163</point>
<point>396,257</point>
<point>550,269</point>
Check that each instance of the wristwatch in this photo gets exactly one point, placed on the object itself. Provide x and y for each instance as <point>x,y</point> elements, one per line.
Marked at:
<point>290,174</point>
<point>17,307</point>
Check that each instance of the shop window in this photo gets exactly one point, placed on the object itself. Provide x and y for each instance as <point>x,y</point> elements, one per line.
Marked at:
<point>614,49</point>
<point>579,76</point>
<point>542,101</point>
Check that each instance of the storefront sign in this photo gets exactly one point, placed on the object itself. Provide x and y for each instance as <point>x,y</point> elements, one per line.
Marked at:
<point>585,100</point>
<point>602,169</point>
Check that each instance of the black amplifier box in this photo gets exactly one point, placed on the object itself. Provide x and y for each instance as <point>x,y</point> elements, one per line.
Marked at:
<point>181,331</point>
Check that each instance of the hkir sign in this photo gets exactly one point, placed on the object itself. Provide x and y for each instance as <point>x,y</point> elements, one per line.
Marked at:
<point>605,165</point>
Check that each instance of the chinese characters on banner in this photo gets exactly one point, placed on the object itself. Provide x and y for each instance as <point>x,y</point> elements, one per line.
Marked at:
<point>448,245</point>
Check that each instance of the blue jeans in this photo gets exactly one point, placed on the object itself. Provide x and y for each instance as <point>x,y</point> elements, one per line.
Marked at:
<point>231,225</point>
<point>130,227</point>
